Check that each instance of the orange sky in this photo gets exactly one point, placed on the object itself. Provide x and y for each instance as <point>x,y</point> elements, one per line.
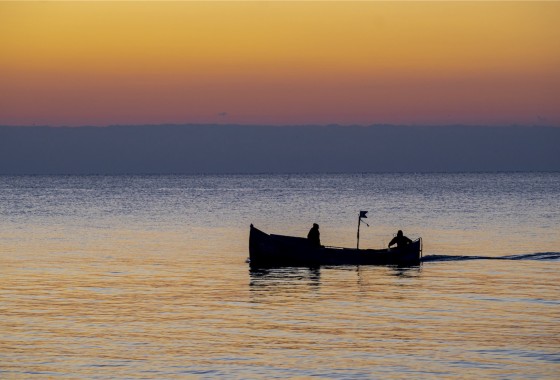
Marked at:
<point>101,63</point>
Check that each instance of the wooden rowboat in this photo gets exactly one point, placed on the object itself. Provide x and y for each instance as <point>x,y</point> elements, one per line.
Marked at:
<point>268,250</point>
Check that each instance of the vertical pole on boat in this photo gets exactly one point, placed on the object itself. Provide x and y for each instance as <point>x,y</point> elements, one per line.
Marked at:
<point>362,215</point>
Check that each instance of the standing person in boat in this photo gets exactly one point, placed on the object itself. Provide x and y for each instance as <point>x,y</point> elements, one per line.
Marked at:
<point>314,236</point>
<point>400,240</point>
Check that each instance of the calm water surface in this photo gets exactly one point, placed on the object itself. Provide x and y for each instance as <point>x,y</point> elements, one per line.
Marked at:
<point>145,277</point>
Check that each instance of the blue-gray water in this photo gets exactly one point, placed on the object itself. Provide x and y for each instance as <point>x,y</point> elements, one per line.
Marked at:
<point>145,277</point>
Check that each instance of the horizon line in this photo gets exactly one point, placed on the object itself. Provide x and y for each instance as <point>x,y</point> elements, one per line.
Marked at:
<point>186,124</point>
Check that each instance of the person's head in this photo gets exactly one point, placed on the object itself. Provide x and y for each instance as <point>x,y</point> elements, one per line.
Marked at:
<point>399,234</point>
<point>315,225</point>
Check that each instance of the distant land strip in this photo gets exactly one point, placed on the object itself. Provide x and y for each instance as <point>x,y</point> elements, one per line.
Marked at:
<point>238,149</point>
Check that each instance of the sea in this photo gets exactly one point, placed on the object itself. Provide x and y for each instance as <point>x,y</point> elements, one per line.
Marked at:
<point>146,277</point>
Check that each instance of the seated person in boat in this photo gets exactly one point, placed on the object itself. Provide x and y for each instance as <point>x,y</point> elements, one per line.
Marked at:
<point>314,236</point>
<point>400,240</point>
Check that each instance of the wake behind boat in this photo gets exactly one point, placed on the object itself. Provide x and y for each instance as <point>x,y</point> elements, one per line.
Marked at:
<point>269,250</point>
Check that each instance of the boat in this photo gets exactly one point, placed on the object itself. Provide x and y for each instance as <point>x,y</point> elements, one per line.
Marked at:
<point>269,250</point>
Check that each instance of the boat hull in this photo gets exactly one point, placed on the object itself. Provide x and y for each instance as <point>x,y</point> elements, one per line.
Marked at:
<point>268,250</point>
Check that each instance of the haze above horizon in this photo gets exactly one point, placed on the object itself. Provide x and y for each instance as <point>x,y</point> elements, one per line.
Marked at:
<point>234,149</point>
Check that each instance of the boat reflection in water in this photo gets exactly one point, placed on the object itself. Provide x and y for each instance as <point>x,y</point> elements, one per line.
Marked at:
<point>286,278</point>
<point>283,277</point>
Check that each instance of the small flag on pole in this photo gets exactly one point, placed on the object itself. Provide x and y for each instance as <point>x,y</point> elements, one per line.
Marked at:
<point>363,214</point>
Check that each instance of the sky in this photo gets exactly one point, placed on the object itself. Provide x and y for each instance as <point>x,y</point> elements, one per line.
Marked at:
<point>280,63</point>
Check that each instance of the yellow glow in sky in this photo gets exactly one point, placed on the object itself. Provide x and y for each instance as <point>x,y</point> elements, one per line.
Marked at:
<point>279,62</point>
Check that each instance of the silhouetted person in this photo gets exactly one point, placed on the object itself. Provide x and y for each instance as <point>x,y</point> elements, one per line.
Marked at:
<point>314,236</point>
<point>400,240</point>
